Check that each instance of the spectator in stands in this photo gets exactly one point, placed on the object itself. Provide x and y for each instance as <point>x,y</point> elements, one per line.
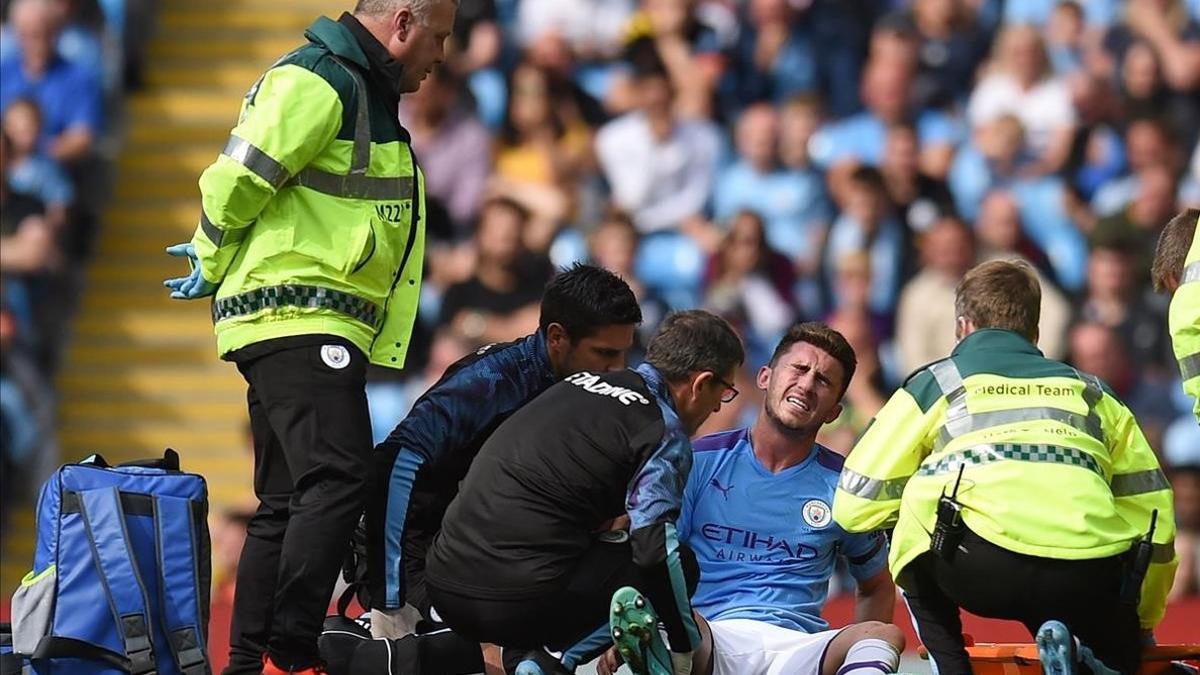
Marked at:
<point>775,57</point>
<point>950,46</point>
<point>78,42</point>
<point>860,139</point>
<point>1117,298</point>
<point>920,199</point>
<point>1145,93</point>
<point>69,95</point>
<point>31,173</point>
<point>925,319</point>
<point>1099,350</point>
<point>867,391</point>
<point>1020,82</point>
<point>790,203</point>
<point>454,146</point>
<point>999,159</point>
<point>1138,224</point>
<point>799,118</point>
<point>27,242</point>
<point>1167,28</point>
<point>868,224</point>
<point>1148,142</point>
<point>661,168</point>
<point>1183,470</point>
<point>999,234</point>
<point>1065,33</point>
<point>593,29</point>
<point>542,153</point>
<point>749,284</point>
<point>499,302</point>
<point>613,245</point>
<point>690,48</point>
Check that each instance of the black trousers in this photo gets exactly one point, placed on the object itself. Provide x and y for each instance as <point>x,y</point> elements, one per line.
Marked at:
<point>573,620</point>
<point>993,582</point>
<point>312,445</point>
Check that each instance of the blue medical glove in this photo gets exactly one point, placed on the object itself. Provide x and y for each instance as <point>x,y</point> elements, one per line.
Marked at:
<point>193,285</point>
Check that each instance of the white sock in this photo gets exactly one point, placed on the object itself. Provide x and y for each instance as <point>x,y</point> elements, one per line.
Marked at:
<point>870,656</point>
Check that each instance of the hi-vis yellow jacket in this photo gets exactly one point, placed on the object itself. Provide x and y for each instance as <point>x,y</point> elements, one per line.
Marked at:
<point>1055,465</point>
<point>312,217</point>
<point>1184,321</point>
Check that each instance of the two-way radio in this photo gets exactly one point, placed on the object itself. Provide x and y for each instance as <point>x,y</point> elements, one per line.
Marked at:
<point>1137,564</point>
<point>949,531</point>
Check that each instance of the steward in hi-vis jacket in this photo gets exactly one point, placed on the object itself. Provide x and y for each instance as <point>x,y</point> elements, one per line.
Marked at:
<point>1019,488</point>
<point>311,240</point>
<point>1177,269</point>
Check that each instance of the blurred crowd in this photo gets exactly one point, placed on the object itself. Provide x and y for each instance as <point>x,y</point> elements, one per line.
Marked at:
<point>839,160</point>
<point>63,67</point>
<point>770,160</point>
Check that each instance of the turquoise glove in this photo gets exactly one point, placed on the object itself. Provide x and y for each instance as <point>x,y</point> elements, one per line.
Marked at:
<point>193,285</point>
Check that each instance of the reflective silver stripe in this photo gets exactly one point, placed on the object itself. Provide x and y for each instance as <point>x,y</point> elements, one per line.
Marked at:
<point>294,295</point>
<point>214,233</point>
<point>989,453</point>
<point>354,186</point>
<point>1138,482</point>
<point>959,421</point>
<point>361,156</point>
<point>1093,393</point>
<point>1162,553</point>
<point>1189,366</point>
<point>1088,424</point>
<point>263,165</point>
<point>950,381</point>
<point>871,488</point>
<point>1191,273</point>
<point>357,184</point>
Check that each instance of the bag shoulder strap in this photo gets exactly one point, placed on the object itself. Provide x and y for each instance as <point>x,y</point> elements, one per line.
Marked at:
<point>178,583</point>
<point>104,521</point>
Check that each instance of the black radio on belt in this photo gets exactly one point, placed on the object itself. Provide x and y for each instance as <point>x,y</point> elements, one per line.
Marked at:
<point>949,530</point>
<point>1137,563</point>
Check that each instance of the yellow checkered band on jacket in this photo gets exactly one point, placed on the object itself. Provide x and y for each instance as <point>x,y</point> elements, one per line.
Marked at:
<point>1053,464</point>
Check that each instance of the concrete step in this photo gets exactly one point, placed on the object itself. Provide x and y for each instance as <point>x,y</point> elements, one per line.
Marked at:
<point>203,132</point>
<point>269,46</point>
<point>104,329</point>
<point>144,216</point>
<point>282,17</point>
<point>97,412</point>
<point>231,74</point>
<point>172,384</point>
<point>164,162</point>
<point>188,106</point>
<point>155,188</point>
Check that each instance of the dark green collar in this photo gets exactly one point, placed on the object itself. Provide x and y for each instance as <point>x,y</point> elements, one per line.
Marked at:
<point>338,39</point>
<point>995,340</point>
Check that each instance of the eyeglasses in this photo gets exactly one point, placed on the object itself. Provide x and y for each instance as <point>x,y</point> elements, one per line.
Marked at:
<point>730,391</point>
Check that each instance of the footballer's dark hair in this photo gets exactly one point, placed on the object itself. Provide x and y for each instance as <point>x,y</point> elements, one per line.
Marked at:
<point>585,298</point>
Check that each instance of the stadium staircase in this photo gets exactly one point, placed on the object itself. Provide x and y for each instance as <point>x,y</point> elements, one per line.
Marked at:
<point>141,373</point>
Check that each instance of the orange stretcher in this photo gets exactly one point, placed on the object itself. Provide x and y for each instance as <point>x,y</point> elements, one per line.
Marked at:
<point>998,658</point>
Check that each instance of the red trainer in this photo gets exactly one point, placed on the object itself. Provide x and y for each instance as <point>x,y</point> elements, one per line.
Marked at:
<point>269,668</point>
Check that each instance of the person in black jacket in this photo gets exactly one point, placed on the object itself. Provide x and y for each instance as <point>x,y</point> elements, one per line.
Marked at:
<point>588,319</point>
<point>518,561</point>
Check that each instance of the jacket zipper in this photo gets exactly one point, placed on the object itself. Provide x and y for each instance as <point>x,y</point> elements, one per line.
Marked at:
<point>412,237</point>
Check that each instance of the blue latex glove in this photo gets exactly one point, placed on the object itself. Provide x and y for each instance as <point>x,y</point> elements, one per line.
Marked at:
<point>193,285</point>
